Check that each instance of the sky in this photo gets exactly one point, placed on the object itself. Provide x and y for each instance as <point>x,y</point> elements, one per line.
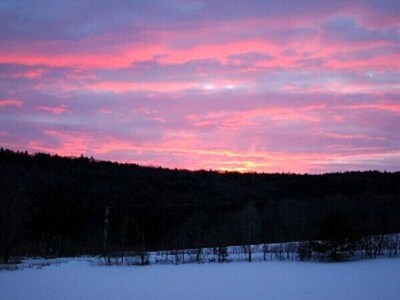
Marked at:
<point>251,86</point>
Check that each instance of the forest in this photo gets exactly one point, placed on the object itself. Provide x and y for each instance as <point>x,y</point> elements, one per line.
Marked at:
<point>55,206</point>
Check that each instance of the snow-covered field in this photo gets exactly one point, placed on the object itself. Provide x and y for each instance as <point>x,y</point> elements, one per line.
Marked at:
<point>81,279</point>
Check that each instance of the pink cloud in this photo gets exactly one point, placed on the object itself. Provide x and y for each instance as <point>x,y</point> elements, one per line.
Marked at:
<point>10,102</point>
<point>53,109</point>
<point>38,54</point>
<point>29,74</point>
<point>234,89</point>
<point>253,118</point>
<point>69,144</point>
<point>124,87</point>
<point>384,106</point>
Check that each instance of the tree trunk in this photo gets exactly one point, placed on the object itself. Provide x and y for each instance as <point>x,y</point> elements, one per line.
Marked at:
<point>198,254</point>
<point>6,255</point>
<point>249,253</point>
<point>105,246</point>
<point>265,249</point>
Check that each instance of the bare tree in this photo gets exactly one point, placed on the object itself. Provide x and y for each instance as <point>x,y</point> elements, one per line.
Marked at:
<point>13,214</point>
<point>195,230</point>
<point>337,235</point>
<point>222,235</point>
<point>250,226</point>
<point>105,238</point>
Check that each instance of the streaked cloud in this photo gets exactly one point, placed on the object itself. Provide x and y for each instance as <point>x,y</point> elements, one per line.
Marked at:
<point>268,86</point>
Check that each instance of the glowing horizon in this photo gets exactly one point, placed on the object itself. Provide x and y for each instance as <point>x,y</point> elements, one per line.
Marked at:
<point>268,86</point>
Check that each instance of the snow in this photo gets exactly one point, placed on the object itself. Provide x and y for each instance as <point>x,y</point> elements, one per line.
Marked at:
<point>83,279</point>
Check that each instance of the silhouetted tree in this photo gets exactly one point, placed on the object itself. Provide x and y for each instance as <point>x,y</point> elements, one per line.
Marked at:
<point>250,225</point>
<point>195,230</point>
<point>13,213</point>
<point>62,201</point>
<point>337,236</point>
<point>105,240</point>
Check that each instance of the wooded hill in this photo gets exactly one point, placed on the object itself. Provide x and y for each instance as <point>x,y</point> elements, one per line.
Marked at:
<point>55,206</point>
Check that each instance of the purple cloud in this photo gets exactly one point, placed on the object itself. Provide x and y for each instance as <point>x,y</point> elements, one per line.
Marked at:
<point>304,86</point>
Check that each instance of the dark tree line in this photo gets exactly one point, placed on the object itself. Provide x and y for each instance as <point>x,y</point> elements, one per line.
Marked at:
<point>55,206</point>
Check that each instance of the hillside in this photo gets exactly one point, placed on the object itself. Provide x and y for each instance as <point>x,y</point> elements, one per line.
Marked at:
<point>55,206</point>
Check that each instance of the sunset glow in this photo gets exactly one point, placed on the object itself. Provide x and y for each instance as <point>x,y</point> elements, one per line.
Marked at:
<point>267,86</point>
